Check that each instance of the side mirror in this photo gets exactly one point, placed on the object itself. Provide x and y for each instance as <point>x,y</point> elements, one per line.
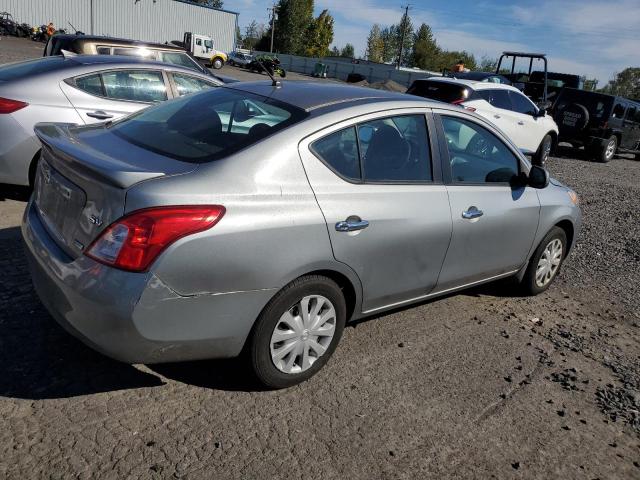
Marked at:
<point>538,177</point>
<point>540,113</point>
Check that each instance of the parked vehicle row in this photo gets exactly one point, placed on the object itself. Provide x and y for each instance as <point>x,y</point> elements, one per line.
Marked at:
<point>530,128</point>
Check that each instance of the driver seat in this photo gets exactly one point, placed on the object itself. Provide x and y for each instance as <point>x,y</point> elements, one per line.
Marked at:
<point>386,155</point>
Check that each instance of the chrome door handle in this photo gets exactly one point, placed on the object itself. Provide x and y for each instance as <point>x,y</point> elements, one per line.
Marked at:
<point>352,224</point>
<point>99,114</point>
<point>471,213</point>
<point>520,122</point>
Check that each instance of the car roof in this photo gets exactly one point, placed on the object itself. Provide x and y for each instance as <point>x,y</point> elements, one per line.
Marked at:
<point>475,84</point>
<point>116,41</point>
<point>309,95</point>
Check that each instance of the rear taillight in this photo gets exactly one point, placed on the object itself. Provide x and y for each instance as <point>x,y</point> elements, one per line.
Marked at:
<point>135,241</point>
<point>459,101</point>
<point>9,106</point>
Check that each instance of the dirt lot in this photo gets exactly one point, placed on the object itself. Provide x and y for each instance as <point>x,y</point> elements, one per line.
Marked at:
<point>477,385</point>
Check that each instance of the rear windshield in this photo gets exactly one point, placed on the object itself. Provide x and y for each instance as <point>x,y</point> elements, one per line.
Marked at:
<point>444,92</point>
<point>207,126</point>
<point>15,71</point>
<point>599,106</point>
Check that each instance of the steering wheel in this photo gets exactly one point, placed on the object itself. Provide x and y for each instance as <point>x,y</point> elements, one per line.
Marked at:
<point>479,146</point>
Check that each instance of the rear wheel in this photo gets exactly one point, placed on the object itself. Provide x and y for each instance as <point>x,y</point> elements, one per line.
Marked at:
<point>297,332</point>
<point>606,152</point>
<point>545,263</point>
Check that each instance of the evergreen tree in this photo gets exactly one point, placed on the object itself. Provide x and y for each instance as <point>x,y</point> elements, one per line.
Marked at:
<point>389,45</point>
<point>375,44</point>
<point>292,26</point>
<point>320,35</point>
<point>405,26</point>
<point>348,51</point>
<point>425,49</point>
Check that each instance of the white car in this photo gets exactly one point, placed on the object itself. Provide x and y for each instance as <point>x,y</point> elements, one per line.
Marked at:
<point>530,128</point>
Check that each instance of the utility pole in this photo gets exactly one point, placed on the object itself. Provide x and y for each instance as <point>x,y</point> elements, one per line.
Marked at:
<point>274,13</point>
<point>403,26</point>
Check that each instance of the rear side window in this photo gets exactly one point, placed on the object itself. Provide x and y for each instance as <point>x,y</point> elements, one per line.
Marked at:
<point>208,125</point>
<point>103,50</point>
<point>441,91</point>
<point>394,149</point>
<point>340,152</point>
<point>135,52</point>
<point>632,114</point>
<point>497,98</point>
<point>618,111</point>
<point>92,84</point>
<point>136,86</point>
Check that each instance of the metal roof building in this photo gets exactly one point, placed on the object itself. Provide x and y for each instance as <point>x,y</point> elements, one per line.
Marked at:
<point>148,20</point>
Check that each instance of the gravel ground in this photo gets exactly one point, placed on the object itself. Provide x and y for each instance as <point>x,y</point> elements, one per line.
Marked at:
<point>482,384</point>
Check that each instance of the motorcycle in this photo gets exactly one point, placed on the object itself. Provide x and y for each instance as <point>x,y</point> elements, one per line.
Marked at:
<point>267,63</point>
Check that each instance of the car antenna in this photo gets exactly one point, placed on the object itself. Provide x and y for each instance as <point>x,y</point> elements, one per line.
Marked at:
<point>275,83</point>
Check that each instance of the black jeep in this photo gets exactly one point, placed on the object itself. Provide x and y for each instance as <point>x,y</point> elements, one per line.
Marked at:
<point>602,123</point>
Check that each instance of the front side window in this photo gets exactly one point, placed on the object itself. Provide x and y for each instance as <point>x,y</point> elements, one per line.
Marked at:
<point>208,125</point>
<point>198,42</point>
<point>476,155</point>
<point>137,86</point>
<point>522,104</point>
<point>393,149</point>
<point>631,114</point>
<point>618,111</point>
<point>186,84</point>
<point>103,50</point>
<point>177,58</point>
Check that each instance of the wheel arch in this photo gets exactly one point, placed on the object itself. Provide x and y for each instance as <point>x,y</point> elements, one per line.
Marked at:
<point>33,165</point>
<point>569,231</point>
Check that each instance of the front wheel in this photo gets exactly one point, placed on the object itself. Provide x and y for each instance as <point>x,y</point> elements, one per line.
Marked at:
<point>217,63</point>
<point>297,332</point>
<point>545,263</point>
<point>544,151</point>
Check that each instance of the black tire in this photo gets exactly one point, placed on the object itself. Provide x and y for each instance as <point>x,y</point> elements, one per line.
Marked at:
<point>529,285</point>
<point>259,350</point>
<point>544,151</point>
<point>606,152</point>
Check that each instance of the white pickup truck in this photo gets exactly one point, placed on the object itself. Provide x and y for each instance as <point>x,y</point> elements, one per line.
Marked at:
<point>201,47</point>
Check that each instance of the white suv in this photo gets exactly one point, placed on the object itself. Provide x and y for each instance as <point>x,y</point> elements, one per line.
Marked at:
<point>531,129</point>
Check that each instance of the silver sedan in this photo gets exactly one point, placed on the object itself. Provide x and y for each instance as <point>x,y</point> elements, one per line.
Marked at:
<point>183,233</point>
<point>78,89</point>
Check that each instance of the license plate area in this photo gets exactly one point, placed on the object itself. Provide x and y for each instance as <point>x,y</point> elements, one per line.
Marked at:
<point>59,202</point>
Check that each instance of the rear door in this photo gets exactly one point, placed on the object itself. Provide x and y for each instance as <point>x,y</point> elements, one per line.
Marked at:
<point>377,181</point>
<point>109,95</point>
<point>502,114</point>
<point>631,128</point>
<point>494,223</point>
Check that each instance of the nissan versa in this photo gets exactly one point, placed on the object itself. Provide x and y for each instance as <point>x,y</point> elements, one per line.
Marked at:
<point>259,219</point>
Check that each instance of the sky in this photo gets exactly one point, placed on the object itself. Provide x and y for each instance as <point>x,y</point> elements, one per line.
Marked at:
<point>595,38</point>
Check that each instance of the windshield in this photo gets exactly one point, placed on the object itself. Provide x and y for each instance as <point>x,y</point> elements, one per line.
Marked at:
<point>14,71</point>
<point>207,126</point>
<point>208,43</point>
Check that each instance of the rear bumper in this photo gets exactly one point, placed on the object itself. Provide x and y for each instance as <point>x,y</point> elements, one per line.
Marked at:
<point>134,317</point>
<point>17,149</point>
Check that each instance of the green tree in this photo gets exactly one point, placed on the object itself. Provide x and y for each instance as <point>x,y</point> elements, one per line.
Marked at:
<point>488,64</point>
<point>626,83</point>
<point>389,45</point>
<point>335,51</point>
<point>375,45</point>
<point>252,35</point>
<point>320,35</point>
<point>292,26</point>
<point>591,84</point>
<point>425,51</point>
<point>404,33</point>
<point>448,59</point>
<point>348,51</point>
<point>210,3</point>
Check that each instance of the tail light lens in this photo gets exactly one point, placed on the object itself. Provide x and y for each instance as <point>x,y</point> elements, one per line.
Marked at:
<point>135,241</point>
<point>9,106</point>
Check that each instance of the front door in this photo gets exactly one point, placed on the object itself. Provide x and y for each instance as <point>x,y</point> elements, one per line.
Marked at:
<point>378,184</point>
<point>494,223</point>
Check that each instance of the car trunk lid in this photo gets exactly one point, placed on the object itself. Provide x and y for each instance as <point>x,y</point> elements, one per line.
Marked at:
<point>83,177</point>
